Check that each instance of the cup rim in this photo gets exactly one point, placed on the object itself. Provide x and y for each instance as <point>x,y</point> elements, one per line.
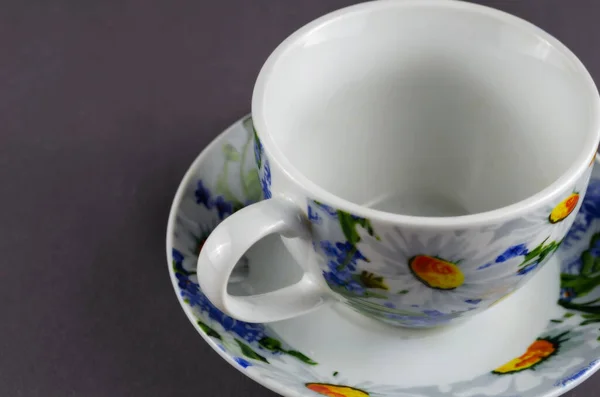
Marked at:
<point>511,211</point>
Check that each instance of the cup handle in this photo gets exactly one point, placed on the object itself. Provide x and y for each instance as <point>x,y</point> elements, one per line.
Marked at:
<point>232,238</point>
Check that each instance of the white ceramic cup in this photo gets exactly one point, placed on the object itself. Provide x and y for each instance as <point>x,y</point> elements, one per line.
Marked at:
<point>421,159</point>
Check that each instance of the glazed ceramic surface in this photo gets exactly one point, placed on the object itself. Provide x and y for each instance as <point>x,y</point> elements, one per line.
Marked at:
<point>415,177</point>
<point>540,341</point>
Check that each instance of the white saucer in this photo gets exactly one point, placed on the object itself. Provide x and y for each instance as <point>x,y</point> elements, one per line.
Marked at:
<point>527,345</point>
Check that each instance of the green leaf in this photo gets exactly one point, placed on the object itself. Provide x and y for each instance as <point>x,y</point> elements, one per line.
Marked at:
<point>568,315</point>
<point>301,357</point>
<point>348,228</point>
<point>556,321</point>
<point>335,373</point>
<point>540,253</point>
<point>588,322</point>
<point>252,183</point>
<point>596,267</point>
<point>248,352</point>
<point>403,292</point>
<point>548,250</point>
<point>208,330</point>
<point>371,280</point>
<point>588,316</point>
<point>579,307</point>
<point>535,252</point>
<point>349,223</point>
<point>269,343</point>
<point>581,284</point>
<point>231,153</point>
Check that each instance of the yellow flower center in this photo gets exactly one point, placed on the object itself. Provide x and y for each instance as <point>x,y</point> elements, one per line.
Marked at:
<point>564,208</point>
<point>537,352</point>
<point>336,390</point>
<point>436,273</point>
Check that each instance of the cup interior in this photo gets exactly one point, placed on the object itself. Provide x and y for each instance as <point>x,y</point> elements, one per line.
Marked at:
<point>427,110</point>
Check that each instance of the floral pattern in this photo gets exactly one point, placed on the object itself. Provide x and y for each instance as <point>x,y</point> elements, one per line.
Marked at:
<point>231,189</point>
<point>424,279</point>
<point>564,354</point>
<point>262,162</point>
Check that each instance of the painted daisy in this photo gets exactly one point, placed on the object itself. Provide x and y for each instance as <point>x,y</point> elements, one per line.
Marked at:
<point>550,357</point>
<point>552,221</point>
<point>190,236</point>
<point>446,272</point>
<point>306,381</point>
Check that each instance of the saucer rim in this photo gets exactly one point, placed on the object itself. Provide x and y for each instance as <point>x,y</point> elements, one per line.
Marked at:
<point>271,384</point>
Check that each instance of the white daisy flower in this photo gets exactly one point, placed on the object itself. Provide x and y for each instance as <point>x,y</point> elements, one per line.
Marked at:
<point>304,381</point>
<point>444,272</point>
<point>549,358</point>
<point>552,221</point>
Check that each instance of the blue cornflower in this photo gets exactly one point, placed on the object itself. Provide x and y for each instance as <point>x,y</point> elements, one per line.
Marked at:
<point>342,253</point>
<point>333,279</point>
<point>248,331</point>
<point>329,249</point>
<point>346,248</point>
<point>473,301</point>
<point>177,256</point>
<point>330,210</point>
<point>485,266</point>
<point>184,282</point>
<point>203,195</point>
<point>189,290</point>
<point>223,207</point>
<point>511,252</point>
<point>257,150</point>
<point>343,274</point>
<point>267,172</point>
<point>242,362</point>
<point>194,299</point>
<point>266,190</point>
<point>314,216</point>
<point>355,287</point>
<point>265,181</point>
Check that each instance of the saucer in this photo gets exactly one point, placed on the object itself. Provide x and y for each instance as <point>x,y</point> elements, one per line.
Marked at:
<point>542,340</point>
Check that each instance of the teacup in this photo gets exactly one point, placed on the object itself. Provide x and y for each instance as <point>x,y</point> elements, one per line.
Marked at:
<point>421,159</point>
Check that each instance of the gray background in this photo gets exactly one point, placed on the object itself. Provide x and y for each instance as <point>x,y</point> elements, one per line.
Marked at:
<point>103,106</point>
